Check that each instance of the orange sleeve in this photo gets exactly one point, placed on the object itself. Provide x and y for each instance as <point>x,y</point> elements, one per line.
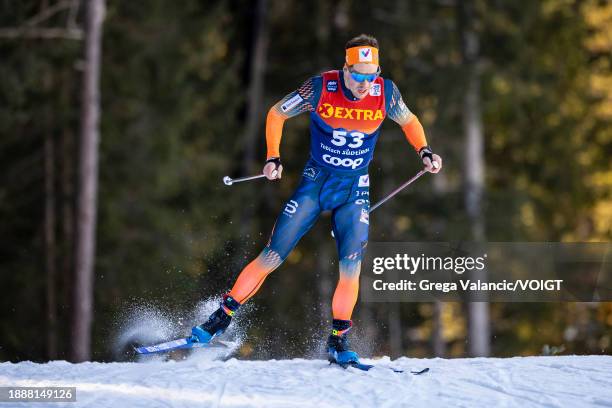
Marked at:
<point>413,130</point>
<point>274,131</point>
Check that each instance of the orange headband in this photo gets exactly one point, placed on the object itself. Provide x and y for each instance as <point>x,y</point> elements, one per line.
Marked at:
<point>363,54</point>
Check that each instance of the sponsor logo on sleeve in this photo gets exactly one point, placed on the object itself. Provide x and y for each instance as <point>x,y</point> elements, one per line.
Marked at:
<point>365,216</point>
<point>332,86</point>
<point>375,90</point>
<point>365,55</point>
<point>291,103</point>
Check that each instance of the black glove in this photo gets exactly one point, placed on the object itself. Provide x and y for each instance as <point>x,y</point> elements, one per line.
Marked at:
<point>432,162</point>
<point>426,152</point>
<point>275,160</point>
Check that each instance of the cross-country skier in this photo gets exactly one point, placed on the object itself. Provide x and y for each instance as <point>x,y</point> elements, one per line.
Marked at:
<point>347,108</point>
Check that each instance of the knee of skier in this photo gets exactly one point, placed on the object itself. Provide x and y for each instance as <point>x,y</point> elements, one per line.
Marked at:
<point>350,266</point>
<point>272,258</point>
<point>351,252</point>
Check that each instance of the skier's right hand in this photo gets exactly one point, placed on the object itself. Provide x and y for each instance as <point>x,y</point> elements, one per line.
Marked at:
<point>273,168</point>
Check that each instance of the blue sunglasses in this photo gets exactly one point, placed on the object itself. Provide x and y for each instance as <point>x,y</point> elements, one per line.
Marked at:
<point>359,77</point>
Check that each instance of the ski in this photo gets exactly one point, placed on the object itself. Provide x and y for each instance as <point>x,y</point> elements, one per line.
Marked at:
<point>178,344</point>
<point>354,364</point>
<point>367,367</point>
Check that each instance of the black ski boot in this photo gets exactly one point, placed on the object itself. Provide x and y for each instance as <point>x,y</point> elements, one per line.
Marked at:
<point>217,322</point>
<point>338,349</point>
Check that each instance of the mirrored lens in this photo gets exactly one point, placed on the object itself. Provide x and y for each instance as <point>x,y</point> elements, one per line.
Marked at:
<point>363,77</point>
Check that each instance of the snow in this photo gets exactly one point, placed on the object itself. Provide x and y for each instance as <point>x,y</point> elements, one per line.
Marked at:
<point>561,381</point>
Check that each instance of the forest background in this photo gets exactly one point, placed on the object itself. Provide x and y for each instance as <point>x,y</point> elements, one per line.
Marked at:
<point>515,96</point>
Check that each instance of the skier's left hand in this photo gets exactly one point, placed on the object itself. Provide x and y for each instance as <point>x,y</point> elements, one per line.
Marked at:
<point>432,162</point>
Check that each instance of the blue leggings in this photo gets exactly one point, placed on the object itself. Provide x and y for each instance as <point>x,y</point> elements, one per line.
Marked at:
<point>347,197</point>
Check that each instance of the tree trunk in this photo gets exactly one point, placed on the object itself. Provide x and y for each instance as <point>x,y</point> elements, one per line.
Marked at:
<point>394,318</point>
<point>440,188</point>
<point>478,312</point>
<point>438,344</point>
<point>50,246</point>
<point>395,330</point>
<point>255,113</point>
<point>88,185</point>
<point>67,228</point>
<point>328,270</point>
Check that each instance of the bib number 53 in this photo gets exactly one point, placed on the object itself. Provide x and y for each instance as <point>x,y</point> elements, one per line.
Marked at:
<point>339,138</point>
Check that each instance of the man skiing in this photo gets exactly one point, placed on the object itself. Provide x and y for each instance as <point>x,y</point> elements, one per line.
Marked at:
<point>347,108</point>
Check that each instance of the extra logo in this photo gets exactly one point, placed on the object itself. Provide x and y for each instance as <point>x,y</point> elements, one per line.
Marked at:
<point>365,55</point>
<point>327,110</point>
<point>375,90</point>
<point>311,173</point>
<point>332,86</point>
<point>346,162</point>
<point>291,103</point>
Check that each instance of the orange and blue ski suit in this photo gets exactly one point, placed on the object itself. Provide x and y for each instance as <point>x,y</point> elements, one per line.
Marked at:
<point>343,135</point>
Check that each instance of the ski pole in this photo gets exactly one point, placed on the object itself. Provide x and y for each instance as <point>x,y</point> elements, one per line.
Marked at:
<point>397,190</point>
<point>228,181</point>
<point>394,192</point>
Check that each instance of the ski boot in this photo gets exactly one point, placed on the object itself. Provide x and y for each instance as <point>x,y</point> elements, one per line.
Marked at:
<point>216,323</point>
<point>338,345</point>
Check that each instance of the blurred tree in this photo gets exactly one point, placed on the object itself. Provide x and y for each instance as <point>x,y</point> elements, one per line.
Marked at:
<point>87,203</point>
<point>33,114</point>
<point>474,164</point>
